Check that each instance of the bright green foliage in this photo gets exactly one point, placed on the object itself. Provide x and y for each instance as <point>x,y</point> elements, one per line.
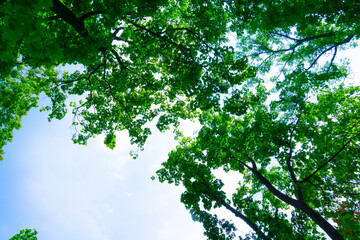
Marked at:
<point>296,35</point>
<point>19,92</point>
<point>27,234</point>
<point>308,155</point>
<point>294,139</point>
<point>142,59</point>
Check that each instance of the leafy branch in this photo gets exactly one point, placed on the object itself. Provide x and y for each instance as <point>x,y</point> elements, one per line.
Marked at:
<point>327,227</point>
<point>233,210</point>
<point>299,42</point>
<point>118,100</point>
<point>346,40</point>
<point>330,159</point>
<point>192,33</point>
<point>239,215</point>
<point>160,36</point>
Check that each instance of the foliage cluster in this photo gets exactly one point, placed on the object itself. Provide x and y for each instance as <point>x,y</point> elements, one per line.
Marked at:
<point>293,137</point>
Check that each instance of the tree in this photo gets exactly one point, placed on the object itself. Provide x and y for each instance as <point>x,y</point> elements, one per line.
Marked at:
<point>149,52</point>
<point>301,160</point>
<point>293,139</point>
<point>26,234</point>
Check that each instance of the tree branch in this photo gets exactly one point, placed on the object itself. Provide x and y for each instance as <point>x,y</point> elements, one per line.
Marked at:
<point>315,216</point>
<point>244,164</point>
<point>118,100</point>
<point>317,58</point>
<point>194,34</point>
<point>288,160</point>
<point>104,64</point>
<point>298,42</point>
<point>329,34</point>
<point>283,35</point>
<point>232,209</point>
<point>118,58</point>
<point>239,215</point>
<point>120,39</point>
<point>117,30</point>
<point>332,59</point>
<point>182,48</point>
<point>89,14</point>
<point>328,161</point>
<point>68,16</point>
<point>252,162</point>
<point>287,61</point>
<point>272,189</point>
<point>346,40</point>
<point>290,168</point>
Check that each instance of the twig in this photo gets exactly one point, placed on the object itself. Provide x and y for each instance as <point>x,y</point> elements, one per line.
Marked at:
<point>283,35</point>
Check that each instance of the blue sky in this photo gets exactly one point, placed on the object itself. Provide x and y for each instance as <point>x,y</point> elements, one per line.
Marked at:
<point>68,191</point>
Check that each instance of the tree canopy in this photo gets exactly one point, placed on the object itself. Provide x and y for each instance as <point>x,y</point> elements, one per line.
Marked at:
<point>276,109</point>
